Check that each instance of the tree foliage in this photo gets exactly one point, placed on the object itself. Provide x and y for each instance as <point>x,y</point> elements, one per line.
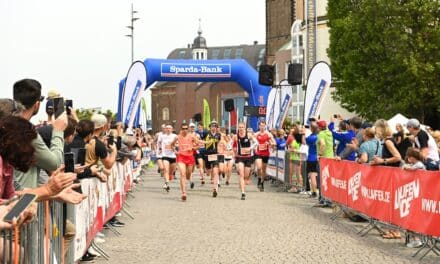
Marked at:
<point>385,56</point>
<point>86,114</point>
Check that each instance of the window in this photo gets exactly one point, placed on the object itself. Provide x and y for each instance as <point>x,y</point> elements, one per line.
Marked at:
<point>165,114</point>
<point>215,54</point>
<point>238,53</point>
<point>227,54</point>
<point>202,57</point>
<point>182,54</point>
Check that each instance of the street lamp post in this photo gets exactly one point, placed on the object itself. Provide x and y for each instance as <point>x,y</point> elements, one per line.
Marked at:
<point>131,27</point>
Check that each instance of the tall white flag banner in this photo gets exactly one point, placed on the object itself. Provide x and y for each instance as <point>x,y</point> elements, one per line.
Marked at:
<point>270,109</point>
<point>318,83</point>
<point>134,86</point>
<point>278,103</point>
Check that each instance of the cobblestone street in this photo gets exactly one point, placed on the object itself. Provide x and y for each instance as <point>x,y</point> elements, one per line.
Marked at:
<point>268,227</point>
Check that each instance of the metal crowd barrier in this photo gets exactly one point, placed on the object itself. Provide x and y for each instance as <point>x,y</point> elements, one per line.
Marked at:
<point>45,239</point>
<point>38,242</point>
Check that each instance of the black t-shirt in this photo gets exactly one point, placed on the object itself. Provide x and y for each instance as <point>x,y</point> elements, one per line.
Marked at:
<point>212,142</point>
<point>95,150</point>
<point>422,139</point>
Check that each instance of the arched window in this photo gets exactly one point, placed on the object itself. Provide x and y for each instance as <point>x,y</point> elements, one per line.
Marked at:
<point>165,114</point>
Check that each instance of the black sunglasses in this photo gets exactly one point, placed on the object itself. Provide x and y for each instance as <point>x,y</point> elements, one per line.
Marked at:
<point>184,128</point>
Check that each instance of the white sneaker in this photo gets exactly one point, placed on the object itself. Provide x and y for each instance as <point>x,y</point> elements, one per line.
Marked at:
<point>94,252</point>
<point>118,214</point>
<point>414,243</point>
<point>99,240</point>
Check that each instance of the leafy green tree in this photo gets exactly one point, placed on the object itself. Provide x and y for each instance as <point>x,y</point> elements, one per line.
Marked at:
<point>87,113</point>
<point>385,57</point>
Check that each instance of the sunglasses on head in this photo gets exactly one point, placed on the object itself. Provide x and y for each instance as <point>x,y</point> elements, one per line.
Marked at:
<point>41,99</point>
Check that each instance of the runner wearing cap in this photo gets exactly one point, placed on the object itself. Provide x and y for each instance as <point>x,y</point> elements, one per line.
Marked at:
<point>265,142</point>
<point>211,141</point>
<point>168,154</point>
<point>187,142</point>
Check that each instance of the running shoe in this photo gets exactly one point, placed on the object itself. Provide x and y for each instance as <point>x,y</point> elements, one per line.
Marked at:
<point>243,196</point>
<point>219,185</point>
<point>227,183</point>
<point>116,223</point>
<point>166,187</point>
<point>87,257</point>
<point>183,197</point>
<point>262,187</point>
<point>214,193</point>
<point>203,182</point>
<point>191,185</point>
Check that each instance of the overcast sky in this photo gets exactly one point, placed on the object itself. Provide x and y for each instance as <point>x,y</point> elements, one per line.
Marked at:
<point>79,47</point>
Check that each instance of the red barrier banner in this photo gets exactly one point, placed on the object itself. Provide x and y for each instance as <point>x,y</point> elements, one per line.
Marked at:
<point>408,199</point>
<point>416,204</point>
<point>333,180</point>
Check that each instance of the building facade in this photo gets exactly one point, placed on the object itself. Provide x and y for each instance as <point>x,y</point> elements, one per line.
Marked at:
<point>307,43</point>
<point>177,102</point>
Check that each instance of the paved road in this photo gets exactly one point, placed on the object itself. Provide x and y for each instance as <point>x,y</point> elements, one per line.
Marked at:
<point>269,227</point>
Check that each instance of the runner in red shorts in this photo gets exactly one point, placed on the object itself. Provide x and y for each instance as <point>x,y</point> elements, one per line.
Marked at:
<point>187,142</point>
<point>262,152</point>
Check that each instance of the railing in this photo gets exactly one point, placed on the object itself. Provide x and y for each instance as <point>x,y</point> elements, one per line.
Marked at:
<point>46,240</point>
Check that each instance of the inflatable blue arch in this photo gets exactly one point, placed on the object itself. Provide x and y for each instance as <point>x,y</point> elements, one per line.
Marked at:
<point>236,70</point>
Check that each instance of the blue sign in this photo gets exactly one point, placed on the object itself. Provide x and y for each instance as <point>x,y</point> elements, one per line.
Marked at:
<point>195,70</point>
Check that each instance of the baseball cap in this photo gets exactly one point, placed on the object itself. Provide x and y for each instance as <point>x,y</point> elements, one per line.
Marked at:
<point>213,123</point>
<point>99,120</point>
<point>321,124</point>
<point>52,94</point>
<point>414,123</point>
<point>129,141</point>
<point>192,125</point>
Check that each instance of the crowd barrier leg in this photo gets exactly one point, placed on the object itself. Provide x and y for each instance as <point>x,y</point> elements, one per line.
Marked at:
<point>431,245</point>
<point>111,228</point>
<point>131,194</point>
<point>336,214</point>
<point>127,213</point>
<point>372,224</point>
<point>100,250</point>
<point>127,204</point>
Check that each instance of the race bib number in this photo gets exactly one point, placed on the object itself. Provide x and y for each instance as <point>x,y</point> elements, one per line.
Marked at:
<point>212,157</point>
<point>262,146</point>
<point>245,151</point>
